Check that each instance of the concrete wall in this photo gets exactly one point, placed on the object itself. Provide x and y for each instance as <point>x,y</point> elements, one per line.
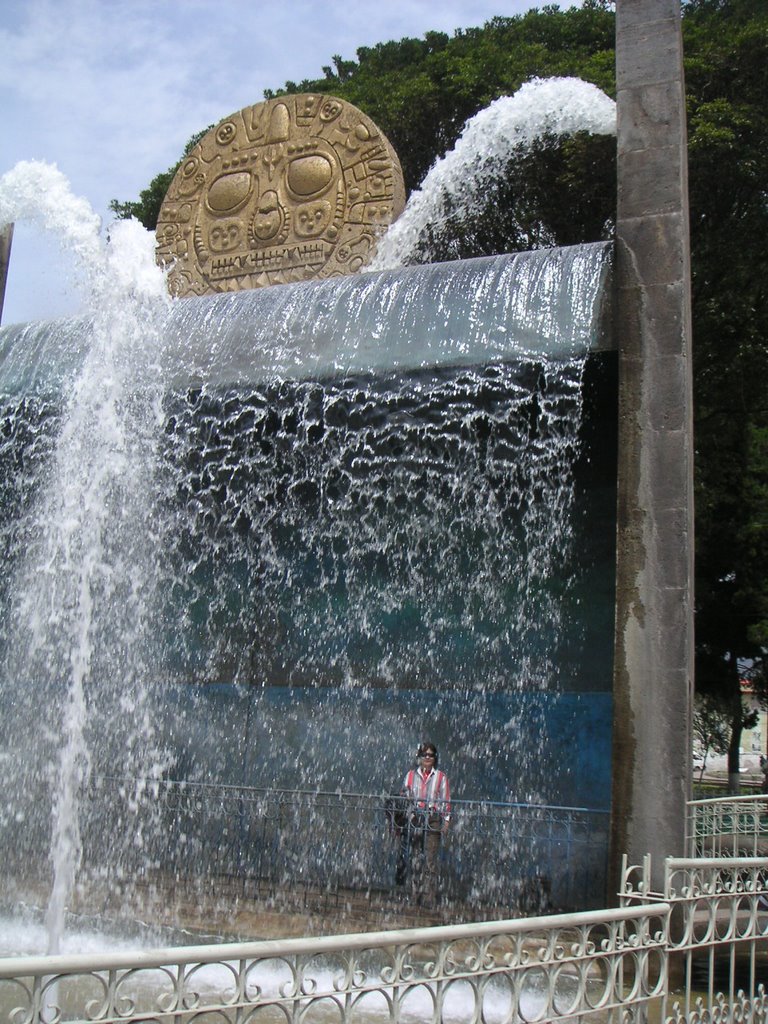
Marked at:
<point>653,674</point>
<point>6,237</point>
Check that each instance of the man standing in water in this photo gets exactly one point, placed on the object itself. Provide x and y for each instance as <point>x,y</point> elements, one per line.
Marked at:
<point>429,792</point>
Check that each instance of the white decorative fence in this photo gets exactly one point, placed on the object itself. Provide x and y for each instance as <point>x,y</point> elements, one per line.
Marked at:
<point>718,935</point>
<point>603,966</point>
<point>734,826</point>
<point>693,952</point>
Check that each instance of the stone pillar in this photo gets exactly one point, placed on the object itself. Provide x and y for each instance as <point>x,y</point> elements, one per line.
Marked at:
<point>6,237</point>
<point>653,670</point>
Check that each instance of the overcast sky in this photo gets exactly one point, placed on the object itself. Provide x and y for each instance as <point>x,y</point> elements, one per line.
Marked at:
<point>110,90</point>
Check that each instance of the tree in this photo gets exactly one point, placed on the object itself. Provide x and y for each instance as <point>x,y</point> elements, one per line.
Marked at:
<point>711,728</point>
<point>726,79</point>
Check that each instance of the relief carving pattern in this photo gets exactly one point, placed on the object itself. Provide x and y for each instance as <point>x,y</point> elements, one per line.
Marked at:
<point>294,188</point>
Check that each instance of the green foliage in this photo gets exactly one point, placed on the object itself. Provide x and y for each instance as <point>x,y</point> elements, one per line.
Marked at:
<point>554,193</point>
<point>726,45</point>
<point>711,726</point>
<point>420,92</point>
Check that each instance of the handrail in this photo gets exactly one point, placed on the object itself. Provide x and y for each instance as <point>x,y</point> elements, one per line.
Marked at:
<point>745,798</point>
<point>15,967</point>
<point>337,793</point>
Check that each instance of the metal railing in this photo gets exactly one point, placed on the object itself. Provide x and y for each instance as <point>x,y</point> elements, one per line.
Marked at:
<point>718,930</point>
<point>516,858</point>
<point>602,967</point>
<point>694,951</point>
<point>733,826</point>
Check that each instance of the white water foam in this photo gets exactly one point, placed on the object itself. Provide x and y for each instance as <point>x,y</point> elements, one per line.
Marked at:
<point>541,107</point>
<point>38,192</point>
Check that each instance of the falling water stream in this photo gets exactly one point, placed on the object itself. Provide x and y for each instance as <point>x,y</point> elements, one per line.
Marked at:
<point>342,505</point>
<point>550,107</point>
<point>80,595</point>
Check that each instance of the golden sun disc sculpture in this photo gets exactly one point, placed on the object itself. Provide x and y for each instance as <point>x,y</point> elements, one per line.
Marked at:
<point>291,189</point>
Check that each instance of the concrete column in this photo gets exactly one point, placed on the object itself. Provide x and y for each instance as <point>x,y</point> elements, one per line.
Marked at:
<point>6,237</point>
<point>653,671</point>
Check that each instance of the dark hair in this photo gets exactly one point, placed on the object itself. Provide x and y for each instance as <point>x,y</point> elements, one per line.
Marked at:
<point>424,747</point>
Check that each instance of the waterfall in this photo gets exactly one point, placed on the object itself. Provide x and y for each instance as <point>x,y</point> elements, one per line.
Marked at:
<point>271,538</point>
<point>351,534</point>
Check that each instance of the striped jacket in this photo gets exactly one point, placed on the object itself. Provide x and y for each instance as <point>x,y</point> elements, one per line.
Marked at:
<point>431,793</point>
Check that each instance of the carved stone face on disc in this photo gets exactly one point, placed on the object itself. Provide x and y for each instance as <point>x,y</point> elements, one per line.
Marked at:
<point>295,188</point>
